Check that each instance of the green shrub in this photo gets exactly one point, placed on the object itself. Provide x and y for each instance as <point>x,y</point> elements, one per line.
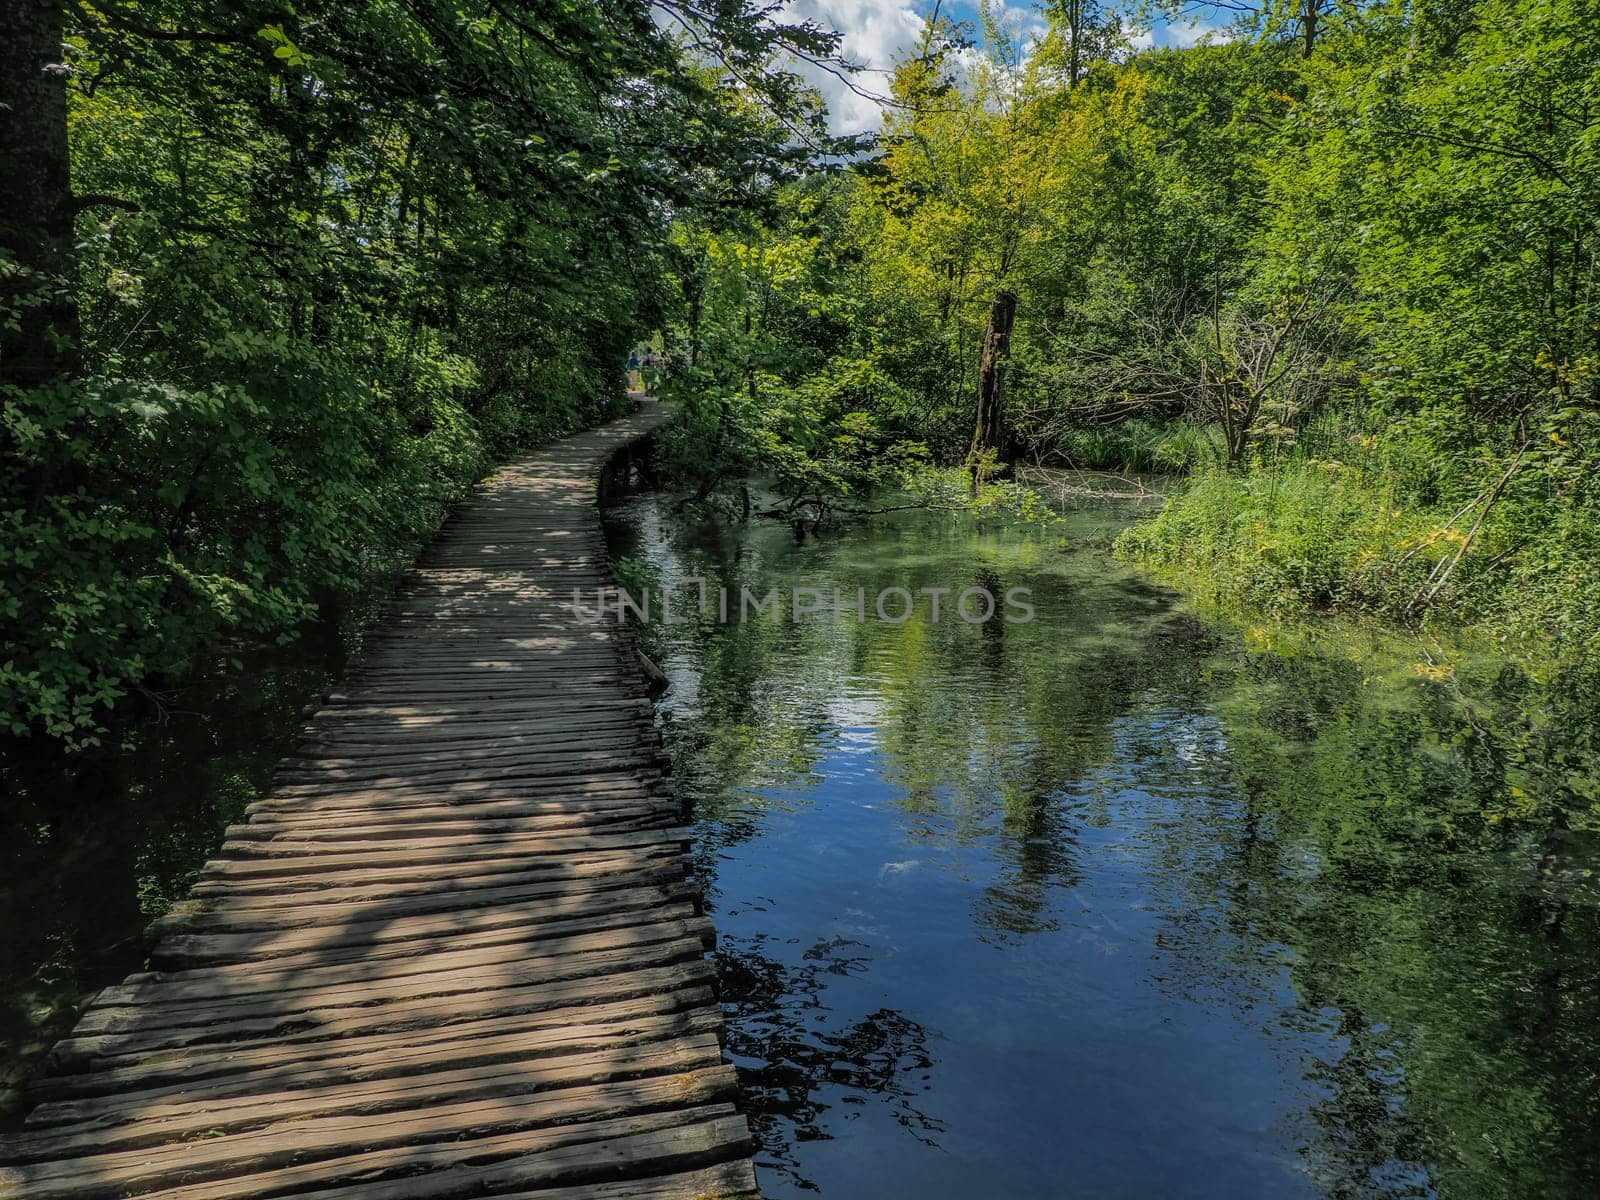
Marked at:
<point>1321,534</point>
<point>1313,534</point>
<point>1174,448</point>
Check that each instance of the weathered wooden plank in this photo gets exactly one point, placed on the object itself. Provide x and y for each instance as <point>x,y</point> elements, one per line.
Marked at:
<point>561,796</point>
<point>293,1060</point>
<point>410,712</point>
<point>399,789</point>
<point>250,981</point>
<point>285,857</point>
<point>341,758</point>
<point>725,1181</point>
<point>441,733</point>
<point>382,938</point>
<point>456,950</point>
<point>312,833</point>
<point>233,907</point>
<point>574,1078</point>
<point>212,1073</point>
<point>531,765</point>
<point>319,1148</point>
<point>590,868</point>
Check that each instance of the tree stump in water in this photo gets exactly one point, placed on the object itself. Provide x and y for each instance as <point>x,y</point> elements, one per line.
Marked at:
<point>988,438</point>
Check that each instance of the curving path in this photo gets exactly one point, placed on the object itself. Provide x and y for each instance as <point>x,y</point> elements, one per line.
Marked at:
<point>456,950</point>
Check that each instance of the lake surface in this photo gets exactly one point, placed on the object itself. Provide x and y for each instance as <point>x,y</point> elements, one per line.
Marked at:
<point>1123,901</point>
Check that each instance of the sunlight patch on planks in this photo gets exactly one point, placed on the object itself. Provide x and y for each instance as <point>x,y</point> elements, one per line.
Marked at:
<point>457,950</point>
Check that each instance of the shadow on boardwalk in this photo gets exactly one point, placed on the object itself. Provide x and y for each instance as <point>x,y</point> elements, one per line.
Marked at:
<point>456,951</point>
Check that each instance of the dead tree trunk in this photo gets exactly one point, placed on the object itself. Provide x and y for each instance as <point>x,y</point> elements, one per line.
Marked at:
<point>988,439</point>
<point>38,318</point>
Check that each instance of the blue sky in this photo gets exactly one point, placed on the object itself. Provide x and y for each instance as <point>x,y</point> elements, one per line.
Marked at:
<point>875,31</point>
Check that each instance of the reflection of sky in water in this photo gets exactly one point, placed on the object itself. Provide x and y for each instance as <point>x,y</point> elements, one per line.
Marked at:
<point>1060,1062</point>
<point>1016,914</point>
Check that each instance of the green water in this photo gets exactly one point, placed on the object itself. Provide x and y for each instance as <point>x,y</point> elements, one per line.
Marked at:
<point>94,847</point>
<point>1128,900</point>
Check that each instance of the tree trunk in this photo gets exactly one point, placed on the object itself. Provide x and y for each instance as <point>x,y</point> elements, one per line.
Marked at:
<point>36,206</point>
<point>694,291</point>
<point>1075,27</point>
<point>1308,32</point>
<point>990,432</point>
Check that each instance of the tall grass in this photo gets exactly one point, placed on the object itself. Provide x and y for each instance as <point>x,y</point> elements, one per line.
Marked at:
<point>1176,448</point>
<point>1311,534</point>
<point>1324,534</point>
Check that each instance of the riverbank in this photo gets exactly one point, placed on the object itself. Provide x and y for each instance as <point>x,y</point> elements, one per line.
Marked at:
<point>1513,562</point>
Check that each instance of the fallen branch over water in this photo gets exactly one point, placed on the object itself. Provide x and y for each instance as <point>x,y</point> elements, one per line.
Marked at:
<point>1046,479</point>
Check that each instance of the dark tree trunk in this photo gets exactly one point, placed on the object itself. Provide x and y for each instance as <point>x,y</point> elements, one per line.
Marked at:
<point>1309,21</point>
<point>36,207</point>
<point>990,432</point>
<point>1075,24</point>
<point>694,291</point>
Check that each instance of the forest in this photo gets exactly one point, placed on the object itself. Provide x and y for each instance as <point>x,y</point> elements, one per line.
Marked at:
<point>1338,268</point>
<point>1256,342</point>
<point>280,285</point>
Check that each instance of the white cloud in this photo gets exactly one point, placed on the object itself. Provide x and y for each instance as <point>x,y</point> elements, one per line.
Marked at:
<point>1189,32</point>
<point>876,32</point>
<point>1022,20</point>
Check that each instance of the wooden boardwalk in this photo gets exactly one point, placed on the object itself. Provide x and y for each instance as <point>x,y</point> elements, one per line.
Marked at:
<point>456,950</point>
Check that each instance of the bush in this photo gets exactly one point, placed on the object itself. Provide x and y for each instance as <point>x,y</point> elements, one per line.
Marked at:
<point>1313,534</point>
<point>1175,448</point>
<point>1321,534</point>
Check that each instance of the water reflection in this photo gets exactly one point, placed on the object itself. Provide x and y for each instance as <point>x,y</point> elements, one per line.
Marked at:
<point>1123,902</point>
<point>797,1059</point>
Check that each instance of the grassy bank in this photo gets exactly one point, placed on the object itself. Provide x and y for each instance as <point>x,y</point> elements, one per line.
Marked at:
<point>1170,447</point>
<point>1507,554</point>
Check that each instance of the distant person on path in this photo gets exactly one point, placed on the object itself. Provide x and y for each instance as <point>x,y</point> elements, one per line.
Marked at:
<point>651,375</point>
<point>633,371</point>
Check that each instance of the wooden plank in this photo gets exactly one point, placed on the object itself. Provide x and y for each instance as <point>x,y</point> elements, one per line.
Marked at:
<point>235,909</point>
<point>340,757</point>
<point>300,1148</point>
<point>285,982</point>
<point>369,998</point>
<point>399,1013</point>
<point>362,885</point>
<point>457,949</point>
<point>575,1075</point>
<point>284,857</point>
<point>410,824</point>
<point>118,1085</point>
<point>401,790</point>
<point>384,936</point>
<point>726,1181</point>
<point>623,791</point>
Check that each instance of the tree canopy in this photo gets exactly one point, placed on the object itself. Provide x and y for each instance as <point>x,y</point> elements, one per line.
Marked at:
<point>1342,254</point>
<point>281,281</point>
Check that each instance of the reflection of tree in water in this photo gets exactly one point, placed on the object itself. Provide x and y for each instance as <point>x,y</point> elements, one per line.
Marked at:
<point>1371,1145</point>
<point>1371,844</point>
<point>1036,712</point>
<point>980,726</point>
<point>797,1059</point>
<point>1400,882</point>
